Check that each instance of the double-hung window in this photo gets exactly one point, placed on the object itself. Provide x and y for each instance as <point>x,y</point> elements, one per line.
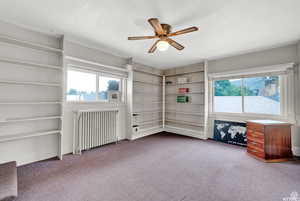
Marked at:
<point>90,86</point>
<point>261,95</point>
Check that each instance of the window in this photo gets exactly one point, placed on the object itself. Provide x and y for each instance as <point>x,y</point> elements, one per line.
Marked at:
<point>90,86</point>
<point>228,96</point>
<point>107,84</point>
<point>259,95</point>
<point>81,86</point>
<point>262,95</point>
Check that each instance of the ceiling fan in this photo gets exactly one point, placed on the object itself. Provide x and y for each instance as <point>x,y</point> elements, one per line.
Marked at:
<point>163,32</point>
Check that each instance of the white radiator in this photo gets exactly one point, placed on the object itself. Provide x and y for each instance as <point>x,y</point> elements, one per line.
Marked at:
<point>93,128</point>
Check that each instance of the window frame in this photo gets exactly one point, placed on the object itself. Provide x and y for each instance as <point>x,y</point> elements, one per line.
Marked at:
<point>98,75</point>
<point>283,83</point>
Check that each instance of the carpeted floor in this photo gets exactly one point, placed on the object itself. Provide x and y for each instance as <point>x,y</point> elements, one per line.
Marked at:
<point>161,167</point>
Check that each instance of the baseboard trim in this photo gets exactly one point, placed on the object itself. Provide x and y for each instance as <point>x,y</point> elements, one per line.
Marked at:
<point>298,120</point>
<point>147,133</point>
<point>186,132</point>
<point>296,151</point>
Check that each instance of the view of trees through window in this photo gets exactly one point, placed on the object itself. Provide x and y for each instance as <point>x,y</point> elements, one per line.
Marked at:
<point>261,95</point>
<point>81,86</point>
<point>107,84</point>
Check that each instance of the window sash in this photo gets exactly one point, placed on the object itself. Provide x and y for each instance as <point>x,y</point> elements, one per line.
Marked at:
<point>283,95</point>
<point>98,77</point>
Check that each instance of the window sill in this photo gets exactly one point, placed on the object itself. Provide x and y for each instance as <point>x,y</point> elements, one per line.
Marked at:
<point>248,116</point>
<point>93,103</point>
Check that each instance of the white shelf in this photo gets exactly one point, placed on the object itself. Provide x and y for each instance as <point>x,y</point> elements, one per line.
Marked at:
<point>187,103</point>
<point>155,84</point>
<point>141,102</point>
<point>32,103</point>
<point>149,73</point>
<point>5,138</point>
<point>185,93</point>
<point>178,74</point>
<point>24,43</point>
<point>178,84</point>
<point>30,119</point>
<point>186,113</point>
<point>49,84</point>
<point>148,93</point>
<point>29,63</point>
<point>149,129</point>
<point>147,122</point>
<point>150,112</point>
<point>184,122</point>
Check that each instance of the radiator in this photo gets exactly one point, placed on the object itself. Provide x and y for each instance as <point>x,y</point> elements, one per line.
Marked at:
<point>93,128</point>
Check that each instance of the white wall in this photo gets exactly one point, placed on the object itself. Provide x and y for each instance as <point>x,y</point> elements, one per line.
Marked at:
<point>297,135</point>
<point>281,55</point>
<point>77,49</point>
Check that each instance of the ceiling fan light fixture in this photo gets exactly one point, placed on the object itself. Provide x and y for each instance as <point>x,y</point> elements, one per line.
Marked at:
<point>162,45</point>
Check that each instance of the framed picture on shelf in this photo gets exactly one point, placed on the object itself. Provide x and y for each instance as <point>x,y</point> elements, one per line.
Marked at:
<point>114,96</point>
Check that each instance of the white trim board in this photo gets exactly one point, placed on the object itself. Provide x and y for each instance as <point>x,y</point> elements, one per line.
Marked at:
<point>252,71</point>
<point>147,133</point>
<point>118,68</point>
<point>185,132</point>
<point>298,120</point>
<point>296,151</point>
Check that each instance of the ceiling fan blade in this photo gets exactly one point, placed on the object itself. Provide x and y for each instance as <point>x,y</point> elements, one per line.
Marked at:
<point>153,48</point>
<point>156,26</point>
<point>184,31</point>
<point>174,44</point>
<point>141,37</point>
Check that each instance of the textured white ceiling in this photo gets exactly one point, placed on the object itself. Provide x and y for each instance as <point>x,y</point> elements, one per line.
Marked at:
<point>226,27</point>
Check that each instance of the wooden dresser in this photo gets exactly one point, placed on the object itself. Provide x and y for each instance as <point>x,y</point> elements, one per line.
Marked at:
<point>269,140</point>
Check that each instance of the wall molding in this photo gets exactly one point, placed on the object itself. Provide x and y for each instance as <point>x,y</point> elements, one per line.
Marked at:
<point>118,68</point>
<point>147,133</point>
<point>186,132</point>
<point>252,71</point>
<point>298,119</point>
<point>296,150</point>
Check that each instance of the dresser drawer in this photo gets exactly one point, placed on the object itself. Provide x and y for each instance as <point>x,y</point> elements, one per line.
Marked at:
<point>256,147</point>
<point>255,152</point>
<point>255,143</point>
<point>255,134</point>
<point>256,127</point>
<point>256,138</point>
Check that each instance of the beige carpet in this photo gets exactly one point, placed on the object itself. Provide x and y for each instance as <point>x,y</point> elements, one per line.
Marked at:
<point>162,167</point>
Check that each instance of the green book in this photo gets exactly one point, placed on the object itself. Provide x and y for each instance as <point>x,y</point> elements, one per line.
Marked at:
<point>182,99</point>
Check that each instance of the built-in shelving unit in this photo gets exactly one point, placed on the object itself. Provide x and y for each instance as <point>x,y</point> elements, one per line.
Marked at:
<point>5,138</point>
<point>154,104</point>
<point>29,44</point>
<point>31,103</point>
<point>146,111</point>
<point>16,120</point>
<point>29,63</point>
<point>31,88</point>
<point>30,83</point>
<point>186,117</point>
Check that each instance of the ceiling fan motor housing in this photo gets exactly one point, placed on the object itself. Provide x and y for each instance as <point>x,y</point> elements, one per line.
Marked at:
<point>167,28</point>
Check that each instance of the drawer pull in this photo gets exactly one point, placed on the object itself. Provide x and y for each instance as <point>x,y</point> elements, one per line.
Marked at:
<point>254,151</point>
<point>254,143</point>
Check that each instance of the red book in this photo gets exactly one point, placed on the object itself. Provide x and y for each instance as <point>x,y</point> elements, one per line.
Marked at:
<point>183,90</point>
